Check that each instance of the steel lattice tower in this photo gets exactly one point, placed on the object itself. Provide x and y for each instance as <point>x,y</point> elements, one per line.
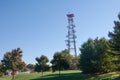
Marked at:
<point>71,41</point>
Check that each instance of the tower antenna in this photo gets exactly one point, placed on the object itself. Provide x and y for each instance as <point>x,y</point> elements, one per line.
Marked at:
<point>71,37</point>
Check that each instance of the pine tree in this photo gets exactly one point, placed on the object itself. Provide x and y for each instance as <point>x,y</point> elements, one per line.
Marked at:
<point>115,42</point>
<point>95,56</point>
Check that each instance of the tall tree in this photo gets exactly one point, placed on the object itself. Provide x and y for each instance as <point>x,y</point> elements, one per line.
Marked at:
<point>95,56</point>
<point>115,42</point>
<point>42,65</point>
<point>13,61</point>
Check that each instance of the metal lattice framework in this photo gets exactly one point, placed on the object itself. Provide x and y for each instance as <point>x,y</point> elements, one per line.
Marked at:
<point>71,41</point>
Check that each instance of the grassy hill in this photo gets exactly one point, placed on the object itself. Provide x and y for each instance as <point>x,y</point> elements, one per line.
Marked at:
<point>65,75</point>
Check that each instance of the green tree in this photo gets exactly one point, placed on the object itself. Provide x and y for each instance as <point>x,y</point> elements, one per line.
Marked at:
<point>59,61</point>
<point>63,60</point>
<point>74,62</point>
<point>115,42</point>
<point>1,70</point>
<point>13,61</point>
<point>71,60</point>
<point>42,65</point>
<point>95,56</point>
<point>31,67</point>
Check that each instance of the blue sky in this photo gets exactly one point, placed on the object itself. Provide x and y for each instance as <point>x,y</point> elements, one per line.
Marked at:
<point>40,26</point>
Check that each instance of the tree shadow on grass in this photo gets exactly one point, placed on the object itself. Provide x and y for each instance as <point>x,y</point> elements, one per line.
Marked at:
<point>70,76</point>
<point>75,76</point>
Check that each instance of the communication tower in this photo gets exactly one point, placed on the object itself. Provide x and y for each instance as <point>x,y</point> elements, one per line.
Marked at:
<point>71,37</point>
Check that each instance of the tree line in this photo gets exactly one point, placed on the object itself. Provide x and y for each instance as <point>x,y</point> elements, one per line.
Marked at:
<point>61,61</point>
<point>97,56</point>
<point>102,55</point>
<point>12,61</point>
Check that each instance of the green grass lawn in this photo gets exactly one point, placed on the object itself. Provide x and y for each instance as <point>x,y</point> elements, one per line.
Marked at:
<point>65,75</point>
